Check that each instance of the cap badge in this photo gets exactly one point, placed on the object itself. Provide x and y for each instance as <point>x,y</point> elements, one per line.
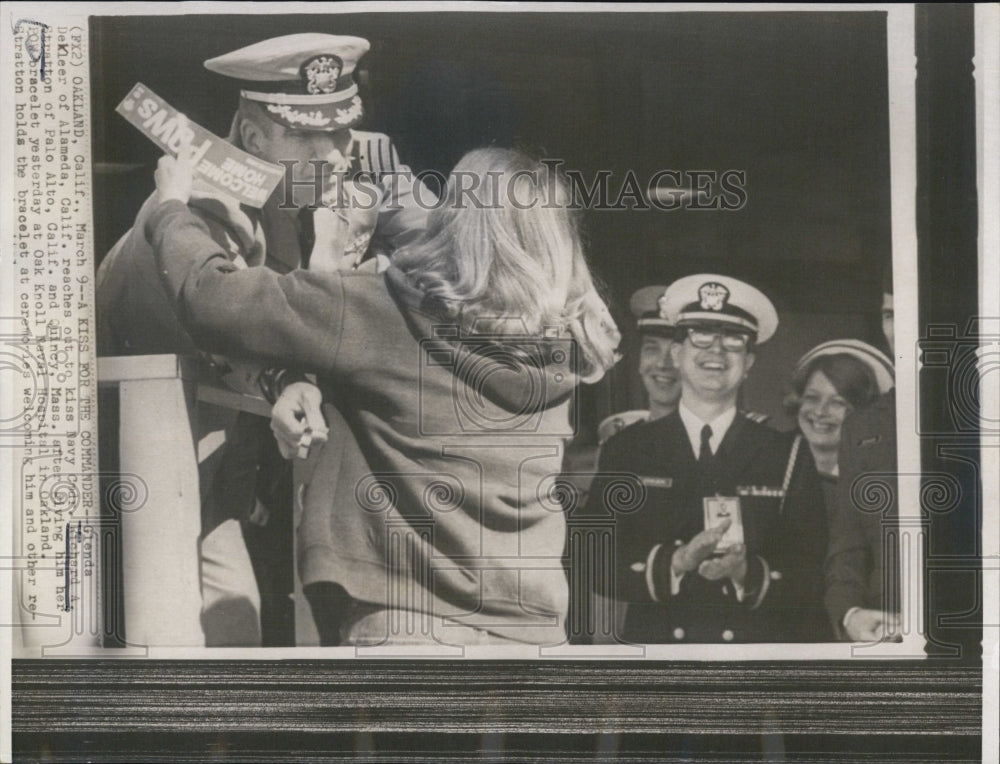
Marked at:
<point>321,73</point>
<point>664,306</point>
<point>713,296</point>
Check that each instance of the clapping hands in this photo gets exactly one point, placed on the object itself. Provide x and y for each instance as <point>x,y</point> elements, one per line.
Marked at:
<point>698,555</point>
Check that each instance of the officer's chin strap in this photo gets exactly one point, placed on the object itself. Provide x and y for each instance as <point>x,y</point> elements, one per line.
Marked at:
<point>234,131</point>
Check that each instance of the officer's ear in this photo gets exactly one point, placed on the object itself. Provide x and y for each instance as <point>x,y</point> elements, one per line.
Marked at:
<point>750,359</point>
<point>252,137</point>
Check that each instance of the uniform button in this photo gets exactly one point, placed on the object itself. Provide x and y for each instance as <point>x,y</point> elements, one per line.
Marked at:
<point>638,567</point>
<point>775,575</point>
<point>728,635</point>
<point>678,542</point>
<point>678,633</point>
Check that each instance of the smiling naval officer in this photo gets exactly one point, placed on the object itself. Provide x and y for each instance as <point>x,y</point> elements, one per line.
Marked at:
<point>660,378</point>
<point>719,546</point>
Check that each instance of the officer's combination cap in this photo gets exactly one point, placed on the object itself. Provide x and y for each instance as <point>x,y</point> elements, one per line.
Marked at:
<point>303,81</point>
<point>711,299</point>
<point>646,307</point>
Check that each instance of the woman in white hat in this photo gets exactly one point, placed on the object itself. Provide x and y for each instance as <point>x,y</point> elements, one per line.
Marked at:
<point>830,381</point>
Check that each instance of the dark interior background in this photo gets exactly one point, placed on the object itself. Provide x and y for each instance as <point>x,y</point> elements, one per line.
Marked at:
<point>799,101</point>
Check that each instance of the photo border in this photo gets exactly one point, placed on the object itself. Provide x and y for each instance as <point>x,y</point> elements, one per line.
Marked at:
<point>161,703</point>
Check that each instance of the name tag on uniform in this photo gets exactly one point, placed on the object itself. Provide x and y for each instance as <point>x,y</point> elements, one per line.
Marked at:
<point>656,482</point>
<point>760,490</point>
<point>721,508</point>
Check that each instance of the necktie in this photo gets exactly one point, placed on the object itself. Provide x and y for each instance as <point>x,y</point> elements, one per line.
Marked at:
<point>705,452</point>
<point>307,235</point>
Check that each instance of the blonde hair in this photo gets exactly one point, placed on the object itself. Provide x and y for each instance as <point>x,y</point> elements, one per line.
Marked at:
<point>506,252</point>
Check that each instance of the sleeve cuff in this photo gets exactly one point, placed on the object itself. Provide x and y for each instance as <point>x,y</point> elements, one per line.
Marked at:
<point>650,580</point>
<point>660,576</point>
<point>761,585</point>
<point>272,382</point>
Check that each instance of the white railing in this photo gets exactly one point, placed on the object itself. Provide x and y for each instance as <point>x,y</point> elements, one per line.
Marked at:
<point>162,442</point>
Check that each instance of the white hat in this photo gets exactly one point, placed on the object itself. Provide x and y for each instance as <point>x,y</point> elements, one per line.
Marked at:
<point>305,81</point>
<point>872,357</point>
<point>713,299</point>
<point>645,306</point>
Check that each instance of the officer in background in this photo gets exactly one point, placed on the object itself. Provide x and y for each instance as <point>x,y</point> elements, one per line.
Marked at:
<point>659,376</point>
<point>345,197</point>
<point>719,546</point>
<point>862,594</point>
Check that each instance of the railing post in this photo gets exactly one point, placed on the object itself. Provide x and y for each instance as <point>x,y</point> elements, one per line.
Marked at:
<point>160,559</point>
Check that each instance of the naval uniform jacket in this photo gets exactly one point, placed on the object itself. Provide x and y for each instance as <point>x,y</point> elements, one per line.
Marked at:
<point>784,532</point>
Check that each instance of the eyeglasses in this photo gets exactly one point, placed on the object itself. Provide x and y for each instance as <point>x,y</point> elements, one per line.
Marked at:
<point>704,338</point>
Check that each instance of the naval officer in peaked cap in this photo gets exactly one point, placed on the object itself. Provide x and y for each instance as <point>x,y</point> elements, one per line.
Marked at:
<point>299,101</point>
<point>298,104</point>
<point>656,367</point>
<point>659,376</point>
<point>719,545</point>
<point>305,81</point>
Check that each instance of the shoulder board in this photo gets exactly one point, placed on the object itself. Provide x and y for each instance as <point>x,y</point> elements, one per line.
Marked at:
<point>872,440</point>
<point>756,416</point>
<point>374,153</point>
<point>615,423</point>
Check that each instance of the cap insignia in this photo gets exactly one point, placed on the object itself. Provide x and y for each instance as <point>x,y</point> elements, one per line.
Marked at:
<point>713,296</point>
<point>664,305</point>
<point>321,73</point>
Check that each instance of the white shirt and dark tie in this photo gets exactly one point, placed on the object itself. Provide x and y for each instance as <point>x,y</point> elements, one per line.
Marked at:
<point>695,427</point>
<point>705,438</point>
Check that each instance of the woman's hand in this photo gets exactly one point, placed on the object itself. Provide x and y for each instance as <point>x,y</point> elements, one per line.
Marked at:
<point>174,176</point>
<point>867,625</point>
<point>297,419</point>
